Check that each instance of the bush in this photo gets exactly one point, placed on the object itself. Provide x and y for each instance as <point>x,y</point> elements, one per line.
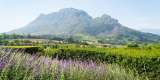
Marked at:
<point>133,45</point>
<point>19,66</point>
<point>27,49</point>
<point>145,61</point>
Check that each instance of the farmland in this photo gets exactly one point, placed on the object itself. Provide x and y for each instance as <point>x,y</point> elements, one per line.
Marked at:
<point>78,61</point>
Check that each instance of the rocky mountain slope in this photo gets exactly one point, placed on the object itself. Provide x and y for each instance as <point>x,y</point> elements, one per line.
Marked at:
<point>70,21</point>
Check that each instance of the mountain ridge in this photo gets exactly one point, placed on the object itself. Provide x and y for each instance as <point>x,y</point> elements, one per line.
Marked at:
<point>70,21</point>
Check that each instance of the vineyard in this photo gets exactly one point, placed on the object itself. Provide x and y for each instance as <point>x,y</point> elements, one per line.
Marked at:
<point>143,61</point>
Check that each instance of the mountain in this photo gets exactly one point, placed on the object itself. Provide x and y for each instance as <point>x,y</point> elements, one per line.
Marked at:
<point>66,21</point>
<point>70,21</point>
<point>154,31</point>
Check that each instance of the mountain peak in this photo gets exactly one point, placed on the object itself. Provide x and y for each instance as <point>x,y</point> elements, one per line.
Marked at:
<point>72,11</point>
<point>69,9</point>
<point>106,16</point>
<point>107,20</point>
<point>41,14</point>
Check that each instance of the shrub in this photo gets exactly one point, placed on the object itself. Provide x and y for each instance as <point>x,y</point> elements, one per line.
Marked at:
<point>19,66</point>
<point>145,61</point>
<point>133,45</point>
<point>28,49</point>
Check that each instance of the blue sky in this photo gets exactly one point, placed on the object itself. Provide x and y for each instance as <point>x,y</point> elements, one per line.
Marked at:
<point>137,14</point>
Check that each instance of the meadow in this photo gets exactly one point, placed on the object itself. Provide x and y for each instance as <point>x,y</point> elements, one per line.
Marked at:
<point>110,62</point>
<point>144,61</point>
<point>21,66</point>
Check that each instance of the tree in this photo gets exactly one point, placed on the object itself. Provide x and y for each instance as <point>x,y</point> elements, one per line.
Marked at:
<point>132,45</point>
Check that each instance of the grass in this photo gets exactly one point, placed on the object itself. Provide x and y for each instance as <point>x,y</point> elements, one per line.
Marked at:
<point>129,52</point>
<point>124,52</point>
<point>20,66</point>
<point>143,60</point>
<point>17,47</point>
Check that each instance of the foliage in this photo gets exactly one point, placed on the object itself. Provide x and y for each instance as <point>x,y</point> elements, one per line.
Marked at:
<point>133,45</point>
<point>28,49</point>
<point>145,61</point>
<point>19,66</point>
<point>11,36</point>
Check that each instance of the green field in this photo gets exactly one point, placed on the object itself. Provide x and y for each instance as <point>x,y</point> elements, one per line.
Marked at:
<point>144,61</point>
